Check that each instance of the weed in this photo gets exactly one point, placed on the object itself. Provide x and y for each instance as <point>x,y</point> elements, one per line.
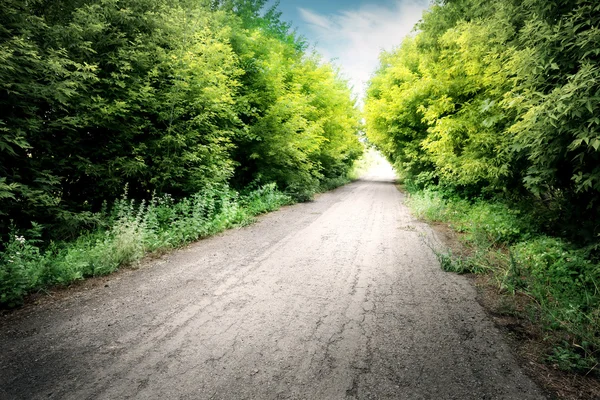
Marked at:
<point>452,264</point>
<point>332,183</point>
<point>428,205</point>
<point>21,267</point>
<point>570,357</point>
<point>264,199</point>
<point>462,265</point>
<point>563,281</point>
<point>132,230</point>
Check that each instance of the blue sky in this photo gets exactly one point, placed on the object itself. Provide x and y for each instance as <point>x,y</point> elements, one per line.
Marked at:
<point>352,33</point>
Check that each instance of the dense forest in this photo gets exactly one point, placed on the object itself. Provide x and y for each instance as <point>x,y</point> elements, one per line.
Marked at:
<point>499,97</point>
<point>153,112</point>
<point>161,96</point>
<point>490,112</point>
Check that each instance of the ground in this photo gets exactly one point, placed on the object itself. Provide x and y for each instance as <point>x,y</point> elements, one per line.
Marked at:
<point>339,298</point>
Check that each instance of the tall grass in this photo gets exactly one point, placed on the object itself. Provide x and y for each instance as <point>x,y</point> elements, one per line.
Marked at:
<point>134,230</point>
<point>562,280</point>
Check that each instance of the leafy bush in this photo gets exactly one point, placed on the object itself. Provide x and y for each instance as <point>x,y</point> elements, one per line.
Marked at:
<point>21,269</point>
<point>264,199</point>
<point>429,205</point>
<point>484,223</point>
<point>563,280</point>
<point>561,273</point>
<point>497,99</point>
<point>566,284</point>
<point>134,229</point>
<point>491,223</point>
<point>162,96</point>
<point>332,183</point>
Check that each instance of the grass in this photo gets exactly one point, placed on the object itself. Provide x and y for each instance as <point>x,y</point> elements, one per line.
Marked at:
<point>562,280</point>
<point>134,230</point>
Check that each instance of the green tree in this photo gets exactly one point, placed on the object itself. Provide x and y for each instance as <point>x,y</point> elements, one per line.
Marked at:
<point>157,96</point>
<point>498,98</point>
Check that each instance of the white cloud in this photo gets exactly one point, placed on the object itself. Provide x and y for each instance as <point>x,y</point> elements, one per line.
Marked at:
<point>355,38</point>
<point>315,20</point>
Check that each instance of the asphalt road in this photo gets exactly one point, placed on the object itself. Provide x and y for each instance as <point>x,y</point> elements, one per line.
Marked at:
<point>340,298</point>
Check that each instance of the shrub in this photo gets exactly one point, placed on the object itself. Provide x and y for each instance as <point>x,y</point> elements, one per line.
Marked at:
<point>132,230</point>
<point>563,280</point>
<point>558,272</point>
<point>21,267</point>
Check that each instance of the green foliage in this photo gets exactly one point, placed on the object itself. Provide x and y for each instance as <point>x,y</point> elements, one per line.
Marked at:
<point>557,99</point>
<point>498,99</point>
<point>566,284</point>
<point>304,124</point>
<point>393,123</point>
<point>567,273</point>
<point>264,199</point>
<point>491,107</point>
<point>564,280</point>
<point>184,103</point>
<point>574,358</point>
<point>134,229</point>
<point>428,204</point>
<point>484,223</point>
<point>450,263</point>
<point>162,96</point>
<point>21,268</point>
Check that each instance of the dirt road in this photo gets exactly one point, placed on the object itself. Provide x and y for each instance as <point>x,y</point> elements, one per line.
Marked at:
<point>340,298</point>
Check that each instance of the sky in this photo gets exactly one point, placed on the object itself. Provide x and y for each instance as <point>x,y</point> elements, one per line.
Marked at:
<point>352,33</point>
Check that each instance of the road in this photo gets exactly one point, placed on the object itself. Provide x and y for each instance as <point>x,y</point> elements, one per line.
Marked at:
<point>340,298</point>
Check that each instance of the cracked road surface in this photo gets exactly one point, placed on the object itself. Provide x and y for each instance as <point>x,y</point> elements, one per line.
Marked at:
<point>340,298</point>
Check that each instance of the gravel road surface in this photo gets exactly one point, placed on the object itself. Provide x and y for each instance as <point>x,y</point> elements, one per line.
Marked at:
<point>340,298</point>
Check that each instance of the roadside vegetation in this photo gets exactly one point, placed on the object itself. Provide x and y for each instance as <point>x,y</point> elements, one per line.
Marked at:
<point>134,126</point>
<point>489,112</point>
<point>561,279</point>
<point>131,231</point>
